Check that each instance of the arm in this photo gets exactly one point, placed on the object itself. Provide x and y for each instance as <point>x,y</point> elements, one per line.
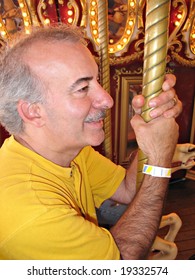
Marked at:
<point>135,231</point>
<point>133,240</point>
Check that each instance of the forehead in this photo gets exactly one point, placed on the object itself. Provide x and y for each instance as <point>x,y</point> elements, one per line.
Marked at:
<point>59,59</point>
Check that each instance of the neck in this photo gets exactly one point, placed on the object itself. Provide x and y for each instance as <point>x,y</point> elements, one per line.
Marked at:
<point>59,157</point>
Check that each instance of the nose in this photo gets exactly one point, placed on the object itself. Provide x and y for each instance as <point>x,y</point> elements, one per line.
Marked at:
<point>102,99</point>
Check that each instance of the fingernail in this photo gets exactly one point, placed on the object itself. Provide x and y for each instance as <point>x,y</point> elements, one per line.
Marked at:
<point>166,87</point>
<point>153,114</point>
<point>152,103</point>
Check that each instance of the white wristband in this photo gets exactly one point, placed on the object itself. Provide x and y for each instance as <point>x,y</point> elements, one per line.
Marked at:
<point>156,171</point>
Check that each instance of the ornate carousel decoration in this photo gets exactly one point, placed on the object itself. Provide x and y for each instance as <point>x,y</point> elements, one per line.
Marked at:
<point>125,20</point>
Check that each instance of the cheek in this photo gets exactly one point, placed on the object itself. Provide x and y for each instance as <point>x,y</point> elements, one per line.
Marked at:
<point>69,112</point>
<point>78,109</point>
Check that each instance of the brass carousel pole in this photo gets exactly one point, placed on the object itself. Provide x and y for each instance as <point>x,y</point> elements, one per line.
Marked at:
<point>155,51</point>
<point>105,69</point>
<point>32,9</point>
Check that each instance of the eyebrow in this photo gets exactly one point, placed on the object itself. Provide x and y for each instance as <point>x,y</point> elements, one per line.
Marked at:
<point>79,81</point>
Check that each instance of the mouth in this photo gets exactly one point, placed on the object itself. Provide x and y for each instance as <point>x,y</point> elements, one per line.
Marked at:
<point>97,119</point>
<point>97,124</point>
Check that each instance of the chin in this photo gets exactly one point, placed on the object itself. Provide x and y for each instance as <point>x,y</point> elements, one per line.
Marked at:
<point>97,140</point>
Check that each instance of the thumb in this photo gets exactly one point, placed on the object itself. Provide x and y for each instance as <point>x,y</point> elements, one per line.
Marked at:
<point>136,121</point>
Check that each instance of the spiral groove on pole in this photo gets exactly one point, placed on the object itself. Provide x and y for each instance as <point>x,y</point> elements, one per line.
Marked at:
<point>105,69</point>
<point>155,52</point>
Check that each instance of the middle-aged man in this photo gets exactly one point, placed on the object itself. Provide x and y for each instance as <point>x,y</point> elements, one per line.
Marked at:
<point>51,179</point>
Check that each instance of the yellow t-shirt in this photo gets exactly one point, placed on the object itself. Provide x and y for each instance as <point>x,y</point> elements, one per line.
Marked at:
<point>48,211</point>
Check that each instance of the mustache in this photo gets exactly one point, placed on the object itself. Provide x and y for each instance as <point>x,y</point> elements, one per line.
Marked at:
<point>97,117</point>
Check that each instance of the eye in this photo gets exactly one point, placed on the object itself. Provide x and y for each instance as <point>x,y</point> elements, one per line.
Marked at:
<point>81,91</point>
<point>84,89</point>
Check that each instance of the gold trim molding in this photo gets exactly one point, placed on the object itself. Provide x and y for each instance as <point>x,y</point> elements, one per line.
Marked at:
<point>123,77</point>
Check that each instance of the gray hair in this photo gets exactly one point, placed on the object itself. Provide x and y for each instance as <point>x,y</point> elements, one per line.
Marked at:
<point>17,80</point>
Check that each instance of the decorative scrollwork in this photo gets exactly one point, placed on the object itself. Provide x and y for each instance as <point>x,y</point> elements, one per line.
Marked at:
<point>73,5</point>
<point>124,71</point>
<point>120,60</point>
<point>40,8</point>
<point>174,42</point>
<point>67,12</point>
<point>183,61</point>
<point>180,13</point>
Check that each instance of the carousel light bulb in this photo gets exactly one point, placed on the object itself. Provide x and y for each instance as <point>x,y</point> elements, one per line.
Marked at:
<point>132,4</point>
<point>177,23</point>
<point>70,12</point>
<point>179,16</point>
<point>3,33</point>
<point>70,20</point>
<point>47,21</point>
<point>27,31</point>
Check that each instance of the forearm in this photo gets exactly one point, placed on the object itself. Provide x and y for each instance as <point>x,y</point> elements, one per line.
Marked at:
<point>135,231</point>
<point>127,189</point>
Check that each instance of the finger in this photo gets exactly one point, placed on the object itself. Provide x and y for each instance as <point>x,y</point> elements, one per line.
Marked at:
<point>170,81</point>
<point>162,98</point>
<point>136,121</point>
<point>158,111</point>
<point>137,103</point>
<point>168,104</point>
<point>174,111</point>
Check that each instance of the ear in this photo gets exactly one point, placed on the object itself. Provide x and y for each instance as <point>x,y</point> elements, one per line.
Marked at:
<point>30,113</point>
